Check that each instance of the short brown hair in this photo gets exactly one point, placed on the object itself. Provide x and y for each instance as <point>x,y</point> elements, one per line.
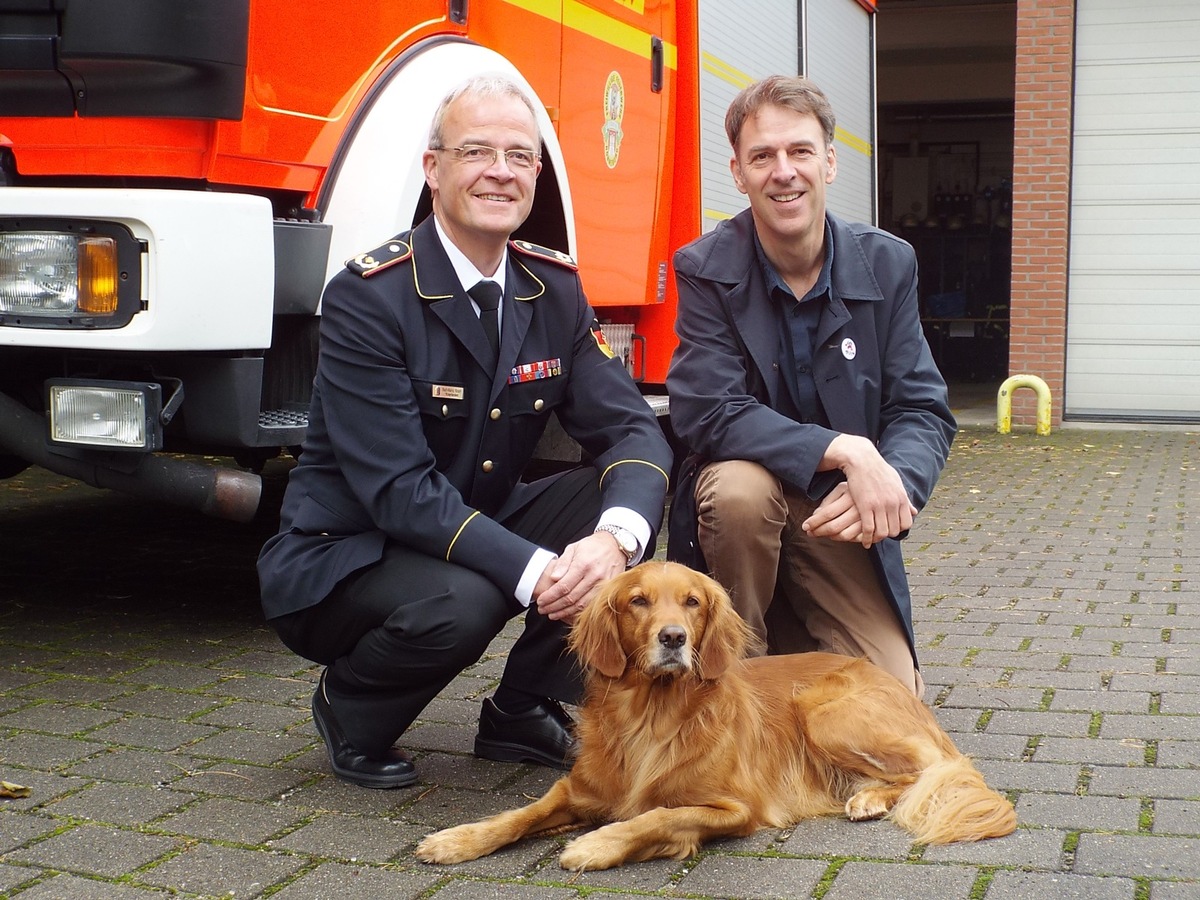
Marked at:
<point>791,91</point>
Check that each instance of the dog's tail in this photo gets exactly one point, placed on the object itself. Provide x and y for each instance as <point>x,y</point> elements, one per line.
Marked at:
<point>950,802</point>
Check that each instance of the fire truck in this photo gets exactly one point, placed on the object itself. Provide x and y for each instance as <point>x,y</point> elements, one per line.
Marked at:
<point>178,181</point>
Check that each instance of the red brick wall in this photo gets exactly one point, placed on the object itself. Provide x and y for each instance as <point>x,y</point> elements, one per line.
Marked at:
<point>1041,199</point>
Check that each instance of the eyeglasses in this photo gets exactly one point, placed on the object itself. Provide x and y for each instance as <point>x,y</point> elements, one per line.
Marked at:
<point>481,154</point>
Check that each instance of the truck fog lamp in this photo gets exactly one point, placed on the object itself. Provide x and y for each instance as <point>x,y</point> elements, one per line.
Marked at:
<point>120,415</point>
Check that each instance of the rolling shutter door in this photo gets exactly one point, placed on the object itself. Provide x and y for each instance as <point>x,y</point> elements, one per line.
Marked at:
<point>1133,309</point>
<point>735,51</point>
<point>840,41</point>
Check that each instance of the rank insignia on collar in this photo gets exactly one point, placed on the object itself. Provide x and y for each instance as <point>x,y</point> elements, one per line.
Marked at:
<point>388,254</point>
<point>540,252</point>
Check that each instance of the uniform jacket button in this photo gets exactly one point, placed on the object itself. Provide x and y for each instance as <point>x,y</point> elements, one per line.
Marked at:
<point>538,404</point>
<point>487,465</point>
<point>445,410</point>
<point>495,414</point>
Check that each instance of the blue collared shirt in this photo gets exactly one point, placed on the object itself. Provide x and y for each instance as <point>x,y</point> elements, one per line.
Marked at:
<point>798,335</point>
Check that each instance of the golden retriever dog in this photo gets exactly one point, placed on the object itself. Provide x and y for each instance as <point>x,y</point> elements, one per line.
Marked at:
<point>682,740</point>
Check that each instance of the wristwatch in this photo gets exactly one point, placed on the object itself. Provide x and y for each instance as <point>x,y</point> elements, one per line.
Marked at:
<point>625,540</point>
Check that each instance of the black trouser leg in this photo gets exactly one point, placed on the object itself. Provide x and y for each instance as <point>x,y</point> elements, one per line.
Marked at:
<point>562,514</point>
<point>394,635</point>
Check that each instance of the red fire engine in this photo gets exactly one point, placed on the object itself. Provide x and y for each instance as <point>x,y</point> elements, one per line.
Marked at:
<point>179,180</point>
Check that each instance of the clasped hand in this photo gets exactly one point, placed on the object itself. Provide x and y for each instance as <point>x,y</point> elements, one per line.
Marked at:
<point>870,505</point>
<point>570,581</point>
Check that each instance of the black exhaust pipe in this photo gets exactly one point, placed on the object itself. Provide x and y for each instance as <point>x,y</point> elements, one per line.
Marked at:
<point>215,491</point>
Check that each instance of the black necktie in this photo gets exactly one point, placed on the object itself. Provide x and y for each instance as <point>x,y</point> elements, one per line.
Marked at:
<point>487,295</point>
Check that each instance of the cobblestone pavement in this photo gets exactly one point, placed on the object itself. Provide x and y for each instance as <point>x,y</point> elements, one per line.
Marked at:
<point>166,741</point>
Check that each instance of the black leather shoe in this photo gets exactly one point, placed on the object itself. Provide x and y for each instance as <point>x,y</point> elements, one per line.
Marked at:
<point>544,735</point>
<point>394,770</point>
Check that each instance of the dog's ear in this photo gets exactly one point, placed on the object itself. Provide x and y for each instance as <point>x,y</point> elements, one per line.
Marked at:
<point>595,637</point>
<point>726,634</point>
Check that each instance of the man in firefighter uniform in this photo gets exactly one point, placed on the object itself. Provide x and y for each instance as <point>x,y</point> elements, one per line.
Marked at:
<point>408,537</point>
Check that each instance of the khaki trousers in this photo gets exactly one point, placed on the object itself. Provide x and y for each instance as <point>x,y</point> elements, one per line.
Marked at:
<point>796,592</point>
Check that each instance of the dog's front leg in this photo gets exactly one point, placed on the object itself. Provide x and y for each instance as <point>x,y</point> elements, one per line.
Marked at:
<point>464,842</point>
<point>662,833</point>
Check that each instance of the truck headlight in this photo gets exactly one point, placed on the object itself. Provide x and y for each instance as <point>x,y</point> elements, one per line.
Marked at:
<point>121,415</point>
<point>75,275</point>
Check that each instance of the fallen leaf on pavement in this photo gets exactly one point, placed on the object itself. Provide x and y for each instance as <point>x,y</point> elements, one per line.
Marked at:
<point>8,789</point>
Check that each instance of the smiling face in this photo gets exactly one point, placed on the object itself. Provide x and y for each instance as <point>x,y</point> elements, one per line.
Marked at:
<point>783,165</point>
<point>480,204</point>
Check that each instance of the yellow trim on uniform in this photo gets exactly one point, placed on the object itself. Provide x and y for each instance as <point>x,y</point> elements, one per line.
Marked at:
<point>458,534</point>
<point>541,285</point>
<point>540,252</point>
<point>640,462</point>
<point>574,15</point>
<point>420,292</point>
<point>366,264</point>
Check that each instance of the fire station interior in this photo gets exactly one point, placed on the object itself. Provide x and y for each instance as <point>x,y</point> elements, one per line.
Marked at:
<point>945,78</point>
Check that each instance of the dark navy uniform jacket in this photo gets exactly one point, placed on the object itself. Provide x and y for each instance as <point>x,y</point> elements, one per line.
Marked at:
<point>414,437</point>
<point>873,369</point>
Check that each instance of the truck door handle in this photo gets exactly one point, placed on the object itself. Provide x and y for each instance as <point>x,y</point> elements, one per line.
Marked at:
<point>656,64</point>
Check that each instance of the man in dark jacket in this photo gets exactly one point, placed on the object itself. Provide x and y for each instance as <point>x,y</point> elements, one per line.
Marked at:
<point>804,386</point>
<point>408,538</point>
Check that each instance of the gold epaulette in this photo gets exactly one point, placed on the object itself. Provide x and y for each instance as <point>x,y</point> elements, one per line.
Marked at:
<point>554,256</point>
<point>387,254</point>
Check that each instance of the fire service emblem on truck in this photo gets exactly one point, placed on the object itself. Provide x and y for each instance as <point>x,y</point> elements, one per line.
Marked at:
<point>614,111</point>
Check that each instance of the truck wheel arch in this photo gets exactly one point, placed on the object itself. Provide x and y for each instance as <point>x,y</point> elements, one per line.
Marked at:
<point>375,186</point>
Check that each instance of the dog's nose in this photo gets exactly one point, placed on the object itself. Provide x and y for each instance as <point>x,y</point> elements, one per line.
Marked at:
<point>672,637</point>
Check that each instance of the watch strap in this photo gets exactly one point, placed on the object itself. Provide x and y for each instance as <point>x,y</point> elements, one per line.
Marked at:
<point>627,541</point>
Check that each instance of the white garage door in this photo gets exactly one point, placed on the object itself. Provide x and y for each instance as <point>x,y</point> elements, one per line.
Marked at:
<point>1133,306</point>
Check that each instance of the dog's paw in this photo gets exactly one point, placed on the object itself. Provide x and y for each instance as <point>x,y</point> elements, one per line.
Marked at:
<point>591,852</point>
<point>452,845</point>
<point>866,804</point>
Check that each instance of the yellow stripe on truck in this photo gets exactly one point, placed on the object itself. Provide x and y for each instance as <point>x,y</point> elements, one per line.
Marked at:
<point>724,71</point>
<point>717,215</point>
<point>574,15</point>
<point>853,141</point>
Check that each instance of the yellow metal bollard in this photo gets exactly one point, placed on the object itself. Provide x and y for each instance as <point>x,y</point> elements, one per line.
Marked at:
<point>1004,402</point>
